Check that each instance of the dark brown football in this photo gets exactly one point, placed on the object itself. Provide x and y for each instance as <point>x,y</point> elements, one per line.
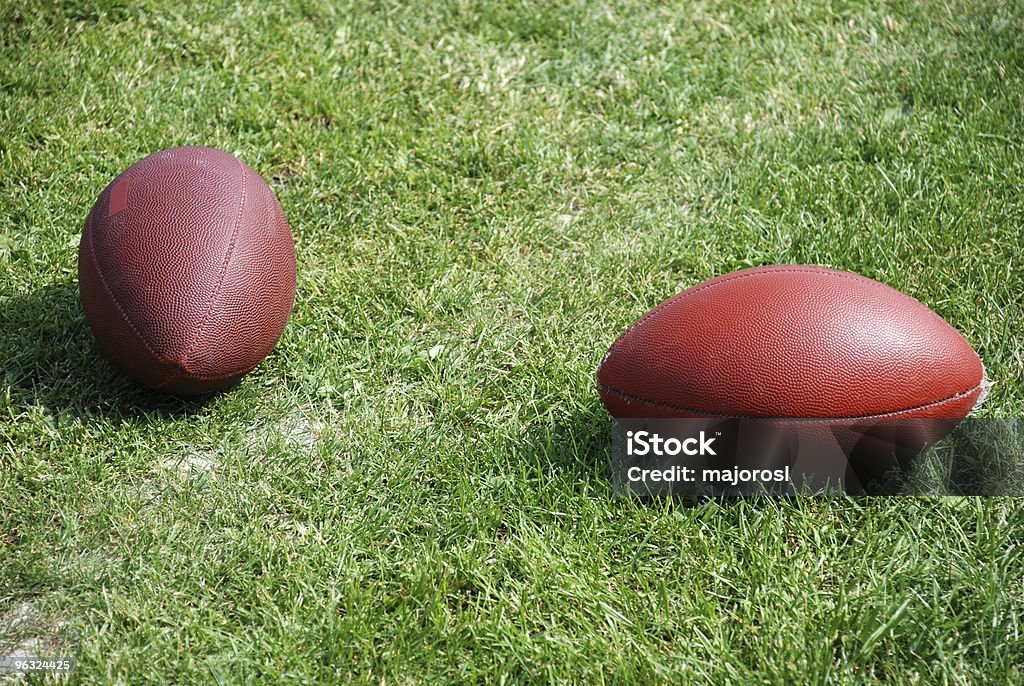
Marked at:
<point>187,270</point>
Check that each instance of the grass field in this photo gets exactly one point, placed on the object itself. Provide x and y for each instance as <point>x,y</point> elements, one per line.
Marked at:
<point>414,486</point>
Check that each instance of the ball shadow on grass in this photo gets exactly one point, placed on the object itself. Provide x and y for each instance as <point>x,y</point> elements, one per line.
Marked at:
<point>51,360</point>
<point>574,450</point>
<point>880,458</point>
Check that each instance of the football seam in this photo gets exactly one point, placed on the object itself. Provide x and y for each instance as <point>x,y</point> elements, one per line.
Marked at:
<point>184,374</point>
<point>679,408</point>
<point>113,298</point>
<point>758,271</point>
<point>197,336</point>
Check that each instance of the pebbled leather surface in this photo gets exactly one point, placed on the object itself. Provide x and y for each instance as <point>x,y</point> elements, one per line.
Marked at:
<point>187,270</point>
<point>791,341</point>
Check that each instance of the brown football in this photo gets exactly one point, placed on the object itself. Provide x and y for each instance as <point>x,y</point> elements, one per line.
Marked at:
<point>791,341</point>
<point>187,270</point>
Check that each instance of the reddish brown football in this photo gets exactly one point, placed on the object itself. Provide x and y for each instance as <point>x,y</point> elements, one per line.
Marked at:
<point>791,342</point>
<point>187,270</point>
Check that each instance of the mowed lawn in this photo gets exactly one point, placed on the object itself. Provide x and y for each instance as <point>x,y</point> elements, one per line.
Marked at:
<point>414,487</point>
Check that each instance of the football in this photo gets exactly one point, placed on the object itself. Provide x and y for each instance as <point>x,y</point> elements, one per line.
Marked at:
<point>187,270</point>
<point>791,341</point>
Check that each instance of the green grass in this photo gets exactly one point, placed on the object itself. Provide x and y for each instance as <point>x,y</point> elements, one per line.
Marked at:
<point>414,486</point>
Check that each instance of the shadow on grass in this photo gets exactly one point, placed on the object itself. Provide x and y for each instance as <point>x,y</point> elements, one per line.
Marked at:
<point>573,453</point>
<point>980,457</point>
<point>51,360</point>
